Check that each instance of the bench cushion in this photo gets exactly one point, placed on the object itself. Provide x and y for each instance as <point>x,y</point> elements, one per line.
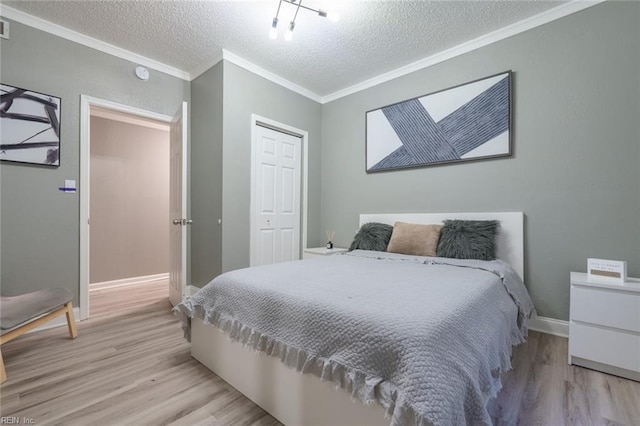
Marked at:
<point>17,310</point>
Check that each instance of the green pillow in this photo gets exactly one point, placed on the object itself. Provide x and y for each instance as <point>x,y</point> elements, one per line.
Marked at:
<point>372,236</point>
<point>468,239</point>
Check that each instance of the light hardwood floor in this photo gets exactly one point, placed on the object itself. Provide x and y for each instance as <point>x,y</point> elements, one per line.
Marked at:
<point>131,365</point>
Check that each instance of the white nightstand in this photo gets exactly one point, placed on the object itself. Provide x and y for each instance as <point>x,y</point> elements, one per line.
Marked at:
<point>604,328</point>
<point>310,253</point>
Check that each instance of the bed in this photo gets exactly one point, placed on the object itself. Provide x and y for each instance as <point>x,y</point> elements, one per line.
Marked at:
<point>420,340</point>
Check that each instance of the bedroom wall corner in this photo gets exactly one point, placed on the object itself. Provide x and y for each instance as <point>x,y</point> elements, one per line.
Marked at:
<point>574,172</point>
<point>206,175</point>
<point>246,93</point>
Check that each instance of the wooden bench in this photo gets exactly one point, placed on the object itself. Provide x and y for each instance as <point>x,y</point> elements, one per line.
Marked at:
<point>20,314</point>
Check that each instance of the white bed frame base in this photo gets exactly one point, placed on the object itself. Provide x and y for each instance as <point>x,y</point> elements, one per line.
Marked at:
<point>303,399</point>
<point>290,397</point>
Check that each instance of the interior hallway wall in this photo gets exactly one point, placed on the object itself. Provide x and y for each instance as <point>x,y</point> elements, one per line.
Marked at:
<point>129,207</point>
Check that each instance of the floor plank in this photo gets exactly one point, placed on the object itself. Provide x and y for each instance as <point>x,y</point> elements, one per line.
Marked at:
<point>131,365</point>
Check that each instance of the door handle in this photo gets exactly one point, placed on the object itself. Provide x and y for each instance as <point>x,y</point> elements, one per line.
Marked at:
<point>182,221</point>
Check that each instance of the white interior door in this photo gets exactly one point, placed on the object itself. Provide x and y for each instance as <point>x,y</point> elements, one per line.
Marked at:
<point>275,233</point>
<point>178,207</point>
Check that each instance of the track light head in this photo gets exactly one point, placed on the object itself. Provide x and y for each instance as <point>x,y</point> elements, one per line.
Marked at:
<point>289,34</point>
<point>273,33</point>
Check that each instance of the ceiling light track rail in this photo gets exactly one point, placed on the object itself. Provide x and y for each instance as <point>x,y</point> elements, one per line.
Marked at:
<point>273,33</point>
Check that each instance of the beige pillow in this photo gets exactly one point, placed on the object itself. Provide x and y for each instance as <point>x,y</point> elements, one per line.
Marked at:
<point>414,239</point>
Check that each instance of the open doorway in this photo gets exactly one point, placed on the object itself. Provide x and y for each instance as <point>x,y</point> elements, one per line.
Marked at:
<point>128,203</point>
<point>178,189</point>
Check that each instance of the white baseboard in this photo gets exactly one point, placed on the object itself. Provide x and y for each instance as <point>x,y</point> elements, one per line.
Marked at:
<point>550,326</point>
<point>128,281</point>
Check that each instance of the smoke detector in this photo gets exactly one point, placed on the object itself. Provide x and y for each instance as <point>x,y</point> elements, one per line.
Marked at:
<point>142,73</point>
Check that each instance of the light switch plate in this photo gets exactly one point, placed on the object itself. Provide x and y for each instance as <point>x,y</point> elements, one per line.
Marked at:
<point>69,186</point>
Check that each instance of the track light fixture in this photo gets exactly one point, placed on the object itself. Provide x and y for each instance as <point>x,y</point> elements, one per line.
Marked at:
<point>288,35</point>
<point>273,33</point>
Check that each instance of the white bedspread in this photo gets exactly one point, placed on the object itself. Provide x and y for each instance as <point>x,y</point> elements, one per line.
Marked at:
<point>424,337</point>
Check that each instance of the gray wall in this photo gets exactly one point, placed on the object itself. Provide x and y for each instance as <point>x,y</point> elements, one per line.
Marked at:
<point>39,224</point>
<point>574,172</point>
<point>129,205</point>
<point>206,172</point>
<point>246,93</point>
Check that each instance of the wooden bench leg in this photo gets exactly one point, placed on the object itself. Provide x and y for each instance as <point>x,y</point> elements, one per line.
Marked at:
<point>71,322</point>
<point>3,374</point>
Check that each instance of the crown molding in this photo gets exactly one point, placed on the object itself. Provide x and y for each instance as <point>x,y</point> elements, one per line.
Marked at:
<point>205,66</point>
<point>485,40</point>
<point>60,31</point>
<point>253,68</point>
<point>250,66</point>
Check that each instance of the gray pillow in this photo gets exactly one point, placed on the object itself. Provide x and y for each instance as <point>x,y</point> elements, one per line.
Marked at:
<point>468,239</point>
<point>372,236</point>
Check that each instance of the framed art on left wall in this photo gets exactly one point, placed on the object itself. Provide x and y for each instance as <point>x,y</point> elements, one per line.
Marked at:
<point>30,126</point>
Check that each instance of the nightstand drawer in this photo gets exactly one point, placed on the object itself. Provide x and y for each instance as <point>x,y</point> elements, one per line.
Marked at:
<point>606,307</point>
<point>617,348</point>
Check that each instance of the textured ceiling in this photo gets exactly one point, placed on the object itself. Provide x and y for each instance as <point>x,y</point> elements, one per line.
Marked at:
<point>371,38</point>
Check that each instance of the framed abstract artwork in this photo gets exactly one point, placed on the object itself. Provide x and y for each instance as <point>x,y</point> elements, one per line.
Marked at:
<point>30,126</point>
<point>468,122</point>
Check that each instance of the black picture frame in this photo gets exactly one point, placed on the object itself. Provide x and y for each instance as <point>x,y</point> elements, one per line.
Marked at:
<point>30,125</point>
<point>467,122</point>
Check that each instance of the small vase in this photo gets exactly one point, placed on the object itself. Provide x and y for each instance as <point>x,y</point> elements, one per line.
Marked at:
<point>329,245</point>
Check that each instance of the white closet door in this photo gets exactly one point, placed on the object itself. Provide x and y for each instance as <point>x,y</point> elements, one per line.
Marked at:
<point>275,233</point>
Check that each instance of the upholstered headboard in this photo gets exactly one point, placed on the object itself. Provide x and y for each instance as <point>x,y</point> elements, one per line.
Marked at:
<point>509,240</point>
